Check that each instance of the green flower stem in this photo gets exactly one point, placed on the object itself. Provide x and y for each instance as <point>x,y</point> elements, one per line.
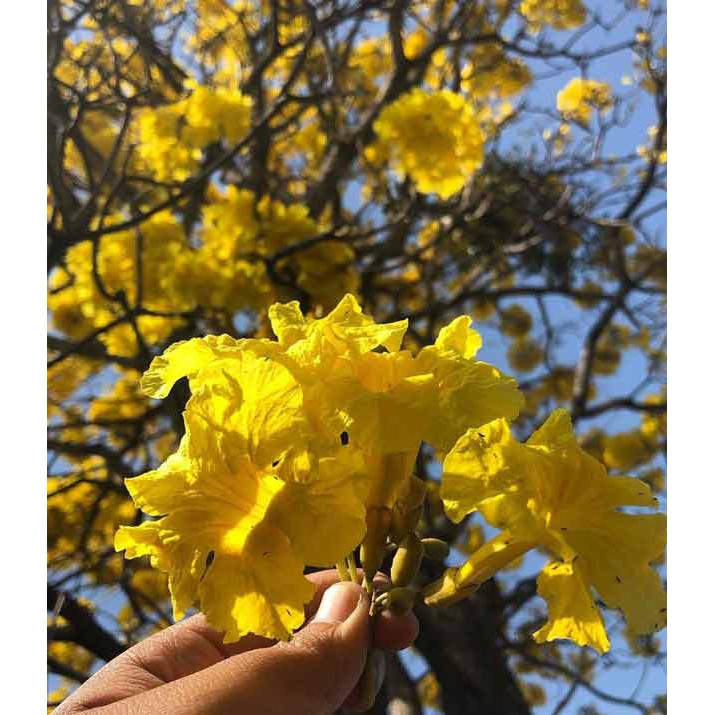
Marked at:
<point>342,571</point>
<point>353,568</point>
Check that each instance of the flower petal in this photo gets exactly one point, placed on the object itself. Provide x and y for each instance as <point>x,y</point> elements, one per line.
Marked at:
<point>572,611</point>
<point>184,564</point>
<point>261,590</point>
<point>324,518</point>
<point>616,550</point>
<point>460,337</point>
<point>184,359</point>
<point>484,463</point>
<point>470,394</point>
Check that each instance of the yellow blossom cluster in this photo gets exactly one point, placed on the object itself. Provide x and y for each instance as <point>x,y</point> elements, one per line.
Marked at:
<point>100,283</point>
<point>297,450</point>
<point>559,14</point>
<point>577,100</point>
<point>172,137</point>
<point>288,444</point>
<point>71,499</point>
<point>431,137</point>
<point>240,228</point>
<point>491,73</point>
<point>226,272</point>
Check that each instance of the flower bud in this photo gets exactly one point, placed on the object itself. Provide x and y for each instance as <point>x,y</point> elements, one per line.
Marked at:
<point>399,599</point>
<point>435,549</point>
<point>407,560</point>
<point>445,591</point>
<point>372,550</point>
<point>402,599</point>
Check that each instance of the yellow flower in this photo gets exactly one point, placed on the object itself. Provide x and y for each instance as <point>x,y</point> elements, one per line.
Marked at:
<point>469,392</point>
<point>549,493</point>
<point>433,138</point>
<point>560,14</point>
<point>171,138</point>
<point>391,401</point>
<point>345,331</point>
<point>580,96</point>
<point>515,321</point>
<point>525,354</point>
<point>249,499</point>
<point>492,73</point>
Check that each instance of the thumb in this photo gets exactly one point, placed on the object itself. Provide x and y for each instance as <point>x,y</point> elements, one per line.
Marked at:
<point>314,673</point>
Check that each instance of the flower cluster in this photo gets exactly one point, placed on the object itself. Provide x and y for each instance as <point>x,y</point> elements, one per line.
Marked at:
<point>297,450</point>
<point>432,137</point>
<point>559,14</point>
<point>225,272</point>
<point>172,137</point>
<point>580,97</point>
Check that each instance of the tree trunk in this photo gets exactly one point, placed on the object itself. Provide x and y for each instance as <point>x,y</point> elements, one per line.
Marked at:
<point>461,644</point>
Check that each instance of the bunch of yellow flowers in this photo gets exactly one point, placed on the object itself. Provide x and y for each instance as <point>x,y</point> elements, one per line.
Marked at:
<point>432,137</point>
<point>580,97</point>
<point>299,450</point>
<point>172,137</point>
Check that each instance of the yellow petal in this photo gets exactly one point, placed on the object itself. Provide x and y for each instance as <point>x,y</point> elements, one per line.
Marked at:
<point>470,394</point>
<point>484,463</point>
<point>238,398</point>
<point>346,330</point>
<point>184,359</point>
<point>161,490</point>
<point>287,322</point>
<point>324,518</point>
<point>572,611</point>
<point>262,590</point>
<point>615,552</point>
<point>556,431</point>
<point>184,564</point>
<point>459,337</point>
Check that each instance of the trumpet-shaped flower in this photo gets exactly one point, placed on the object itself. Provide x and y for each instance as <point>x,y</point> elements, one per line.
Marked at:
<point>245,504</point>
<point>549,493</point>
<point>390,402</point>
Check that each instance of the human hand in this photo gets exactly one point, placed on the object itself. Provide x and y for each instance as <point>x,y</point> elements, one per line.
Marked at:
<point>187,669</point>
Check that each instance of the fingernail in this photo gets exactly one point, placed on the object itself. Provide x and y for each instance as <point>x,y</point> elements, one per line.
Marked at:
<point>338,602</point>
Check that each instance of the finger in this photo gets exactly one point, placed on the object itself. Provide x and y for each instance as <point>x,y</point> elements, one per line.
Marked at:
<point>395,631</point>
<point>313,674</point>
